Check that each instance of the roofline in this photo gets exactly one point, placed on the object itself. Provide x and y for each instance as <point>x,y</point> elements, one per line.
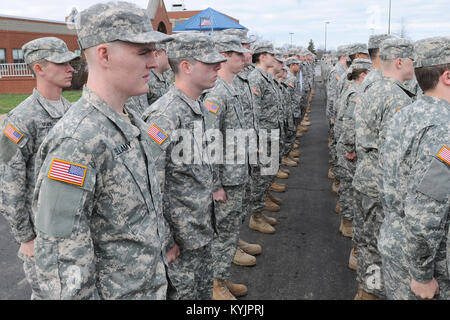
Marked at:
<point>31,19</point>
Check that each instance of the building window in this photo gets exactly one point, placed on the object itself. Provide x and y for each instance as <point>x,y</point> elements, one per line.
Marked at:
<point>18,56</point>
<point>2,56</point>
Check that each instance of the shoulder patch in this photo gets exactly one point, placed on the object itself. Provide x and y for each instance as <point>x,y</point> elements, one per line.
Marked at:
<point>212,107</point>
<point>13,134</point>
<point>444,154</point>
<point>157,134</point>
<point>67,172</point>
<point>255,91</point>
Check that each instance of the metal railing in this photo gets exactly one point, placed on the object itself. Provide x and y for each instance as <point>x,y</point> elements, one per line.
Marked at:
<point>14,70</point>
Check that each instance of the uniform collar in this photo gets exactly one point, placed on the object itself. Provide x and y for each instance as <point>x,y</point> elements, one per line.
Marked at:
<point>48,107</point>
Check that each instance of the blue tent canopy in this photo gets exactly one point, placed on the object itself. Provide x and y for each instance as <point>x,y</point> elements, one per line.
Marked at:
<point>208,20</point>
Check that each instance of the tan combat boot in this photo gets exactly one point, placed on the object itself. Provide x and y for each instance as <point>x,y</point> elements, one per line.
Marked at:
<point>285,170</point>
<point>298,134</point>
<point>221,292</point>
<point>346,228</point>
<point>331,173</point>
<point>250,248</point>
<point>242,258</point>
<point>335,187</point>
<point>305,123</point>
<point>353,259</point>
<point>274,199</point>
<point>282,175</point>
<point>294,153</point>
<point>269,220</point>
<point>363,295</point>
<point>338,207</point>
<point>271,206</point>
<point>296,145</point>
<point>277,187</point>
<point>296,159</point>
<point>258,223</point>
<point>285,161</point>
<point>237,290</point>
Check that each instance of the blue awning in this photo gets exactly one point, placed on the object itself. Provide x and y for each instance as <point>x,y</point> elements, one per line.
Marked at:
<point>208,20</point>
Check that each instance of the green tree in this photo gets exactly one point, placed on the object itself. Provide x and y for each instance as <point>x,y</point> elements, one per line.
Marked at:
<point>311,46</point>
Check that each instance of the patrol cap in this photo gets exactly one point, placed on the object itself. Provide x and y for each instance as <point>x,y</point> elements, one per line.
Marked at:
<point>293,51</point>
<point>194,45</point>
<point>279,56</point>
<point>227,42</point>
<point>49,48</point>
<point>118,20</point>
<point>376,40</point>
<point>362,64</point>
<point>341,51</point>
<point>241,33</point>
<point>432,52</point>
<point>263,47</point>
<point>357,48</point>
<point>396,48</point>
<point>292,60</point>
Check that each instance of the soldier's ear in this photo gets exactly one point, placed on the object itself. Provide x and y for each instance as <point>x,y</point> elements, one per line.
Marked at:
<point>446,78</point>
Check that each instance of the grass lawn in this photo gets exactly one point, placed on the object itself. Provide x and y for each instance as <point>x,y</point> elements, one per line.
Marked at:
<point>10,101</point>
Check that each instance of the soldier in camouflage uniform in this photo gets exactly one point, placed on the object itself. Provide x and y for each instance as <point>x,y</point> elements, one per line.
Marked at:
<point>158,82</point>
<point>224,112</point>
<point>381,101</point>
<point>186,170</point>
<point>415,158</point>
<point>101,233</point>
<point>292,78</point>
<point>23,131</point>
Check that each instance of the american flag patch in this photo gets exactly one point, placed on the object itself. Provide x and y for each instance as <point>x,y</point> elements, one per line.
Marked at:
<point>444,154</point>
<point>211,106</point>
<point>13,134</point>
<point>156,134</point>
<point>67,172</point>
<point>255,91</point>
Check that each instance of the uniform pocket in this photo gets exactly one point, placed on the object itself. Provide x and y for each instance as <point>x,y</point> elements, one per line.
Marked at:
<point>435,182</point>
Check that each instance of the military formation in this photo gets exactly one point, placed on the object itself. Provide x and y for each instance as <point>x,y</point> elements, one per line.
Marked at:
<point>139,190</point>
<point>388,107</point>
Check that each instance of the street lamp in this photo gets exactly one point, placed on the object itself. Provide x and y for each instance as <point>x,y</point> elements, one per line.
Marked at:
<point>326,23</point>
<point>291,33</point>
<point>389,25</point>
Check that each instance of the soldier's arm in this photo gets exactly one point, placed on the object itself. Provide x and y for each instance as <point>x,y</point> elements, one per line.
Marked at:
<point>427,206</point>
<point>348,126</point>
<point>15,152</point>
<point>63,202</point>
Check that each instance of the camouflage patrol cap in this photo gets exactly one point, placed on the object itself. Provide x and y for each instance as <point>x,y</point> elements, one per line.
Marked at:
<point>194,45</point>
<point>279,56</point>
<point>49,48</point>
<point>357,48</point>
<point>241,33</point>
<point>376,40</point>
<point>432,52</point>
<point>227,42</point>
<point>362,64</point>
<point>396,48</point>
<point>292,60</point>
<point>263,47</point>
<point>116,20</point>
<point>293,51</point>
<point>341,51</point>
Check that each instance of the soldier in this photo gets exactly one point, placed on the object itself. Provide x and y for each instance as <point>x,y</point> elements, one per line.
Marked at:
<point>383,99</point>
<point>24,129</point>
<point>413,239</point>
<point>100,228</point>
<point>224,112</point>
<point>157,82</point>
<point>179,123</point>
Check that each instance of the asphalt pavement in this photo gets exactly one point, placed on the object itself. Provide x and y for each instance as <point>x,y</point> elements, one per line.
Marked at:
<point>306,258</point>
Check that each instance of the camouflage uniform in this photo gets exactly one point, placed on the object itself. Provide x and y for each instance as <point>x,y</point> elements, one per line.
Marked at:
<point>381,101</point>
<point>98,204</point>
<point>158,85</point>
<point>188,182</point>
<point>413,239</point>
<point>296,94</point>
<point>23,131</point>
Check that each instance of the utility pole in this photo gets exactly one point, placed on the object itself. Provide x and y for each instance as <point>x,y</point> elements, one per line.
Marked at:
<point>326,23</point>
<point>389,25</point>
<point>291,33</point>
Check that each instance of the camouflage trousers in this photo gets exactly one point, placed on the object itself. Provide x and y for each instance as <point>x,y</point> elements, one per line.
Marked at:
<point>259,186</point>
<point>304,103</point>
<point>190,275</point>
<point>288,142</point>
<point>370,215</point>
<point>332,153</point>
<point>30,273</point>
<point>229,221</point>
<point>397,282</point>
<point>347,198</point>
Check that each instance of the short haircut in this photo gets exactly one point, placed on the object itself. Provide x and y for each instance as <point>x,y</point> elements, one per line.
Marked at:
<point>42,62</point>
<point>428,77</point>
<point>256,56</point>
<point>175,63</point>
<point>373,53</point>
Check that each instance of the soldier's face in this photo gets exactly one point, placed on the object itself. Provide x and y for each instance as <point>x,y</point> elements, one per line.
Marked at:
<point>204,75</point>
<point>58,74</point>
<point>236,62</point>
<point>248,55</point>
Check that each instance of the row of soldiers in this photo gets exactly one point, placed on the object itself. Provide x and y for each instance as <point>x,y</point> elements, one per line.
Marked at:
<point>388,109</point>
<point>135,191</point>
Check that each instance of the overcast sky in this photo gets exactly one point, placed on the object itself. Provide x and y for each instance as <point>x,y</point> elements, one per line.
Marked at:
<point>350,21</point>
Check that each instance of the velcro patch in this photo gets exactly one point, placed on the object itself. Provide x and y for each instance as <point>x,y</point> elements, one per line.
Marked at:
<point>157,134</point>
<point>444,154</point>
<point>212,107</point>
<point>67,172</point>
<point>255,91</point>
<point>13,134</point>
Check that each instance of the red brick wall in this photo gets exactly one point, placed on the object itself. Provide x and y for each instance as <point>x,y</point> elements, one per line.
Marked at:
<point>161,16</point>
<point>17,85</point>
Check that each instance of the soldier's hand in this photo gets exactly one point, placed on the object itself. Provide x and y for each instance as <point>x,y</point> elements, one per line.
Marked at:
<point>220,195</point>
<point>173,254</point>
<point>425,290</point>
<point>351,156</point>
<point>27,248</point>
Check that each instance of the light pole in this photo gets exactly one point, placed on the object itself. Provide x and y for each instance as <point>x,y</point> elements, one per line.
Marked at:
<point>326,23</point>
<point>389,25</point>
<point>291,33</point>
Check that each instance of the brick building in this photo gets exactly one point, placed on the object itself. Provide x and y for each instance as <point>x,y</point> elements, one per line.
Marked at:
<point>15,77</point>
